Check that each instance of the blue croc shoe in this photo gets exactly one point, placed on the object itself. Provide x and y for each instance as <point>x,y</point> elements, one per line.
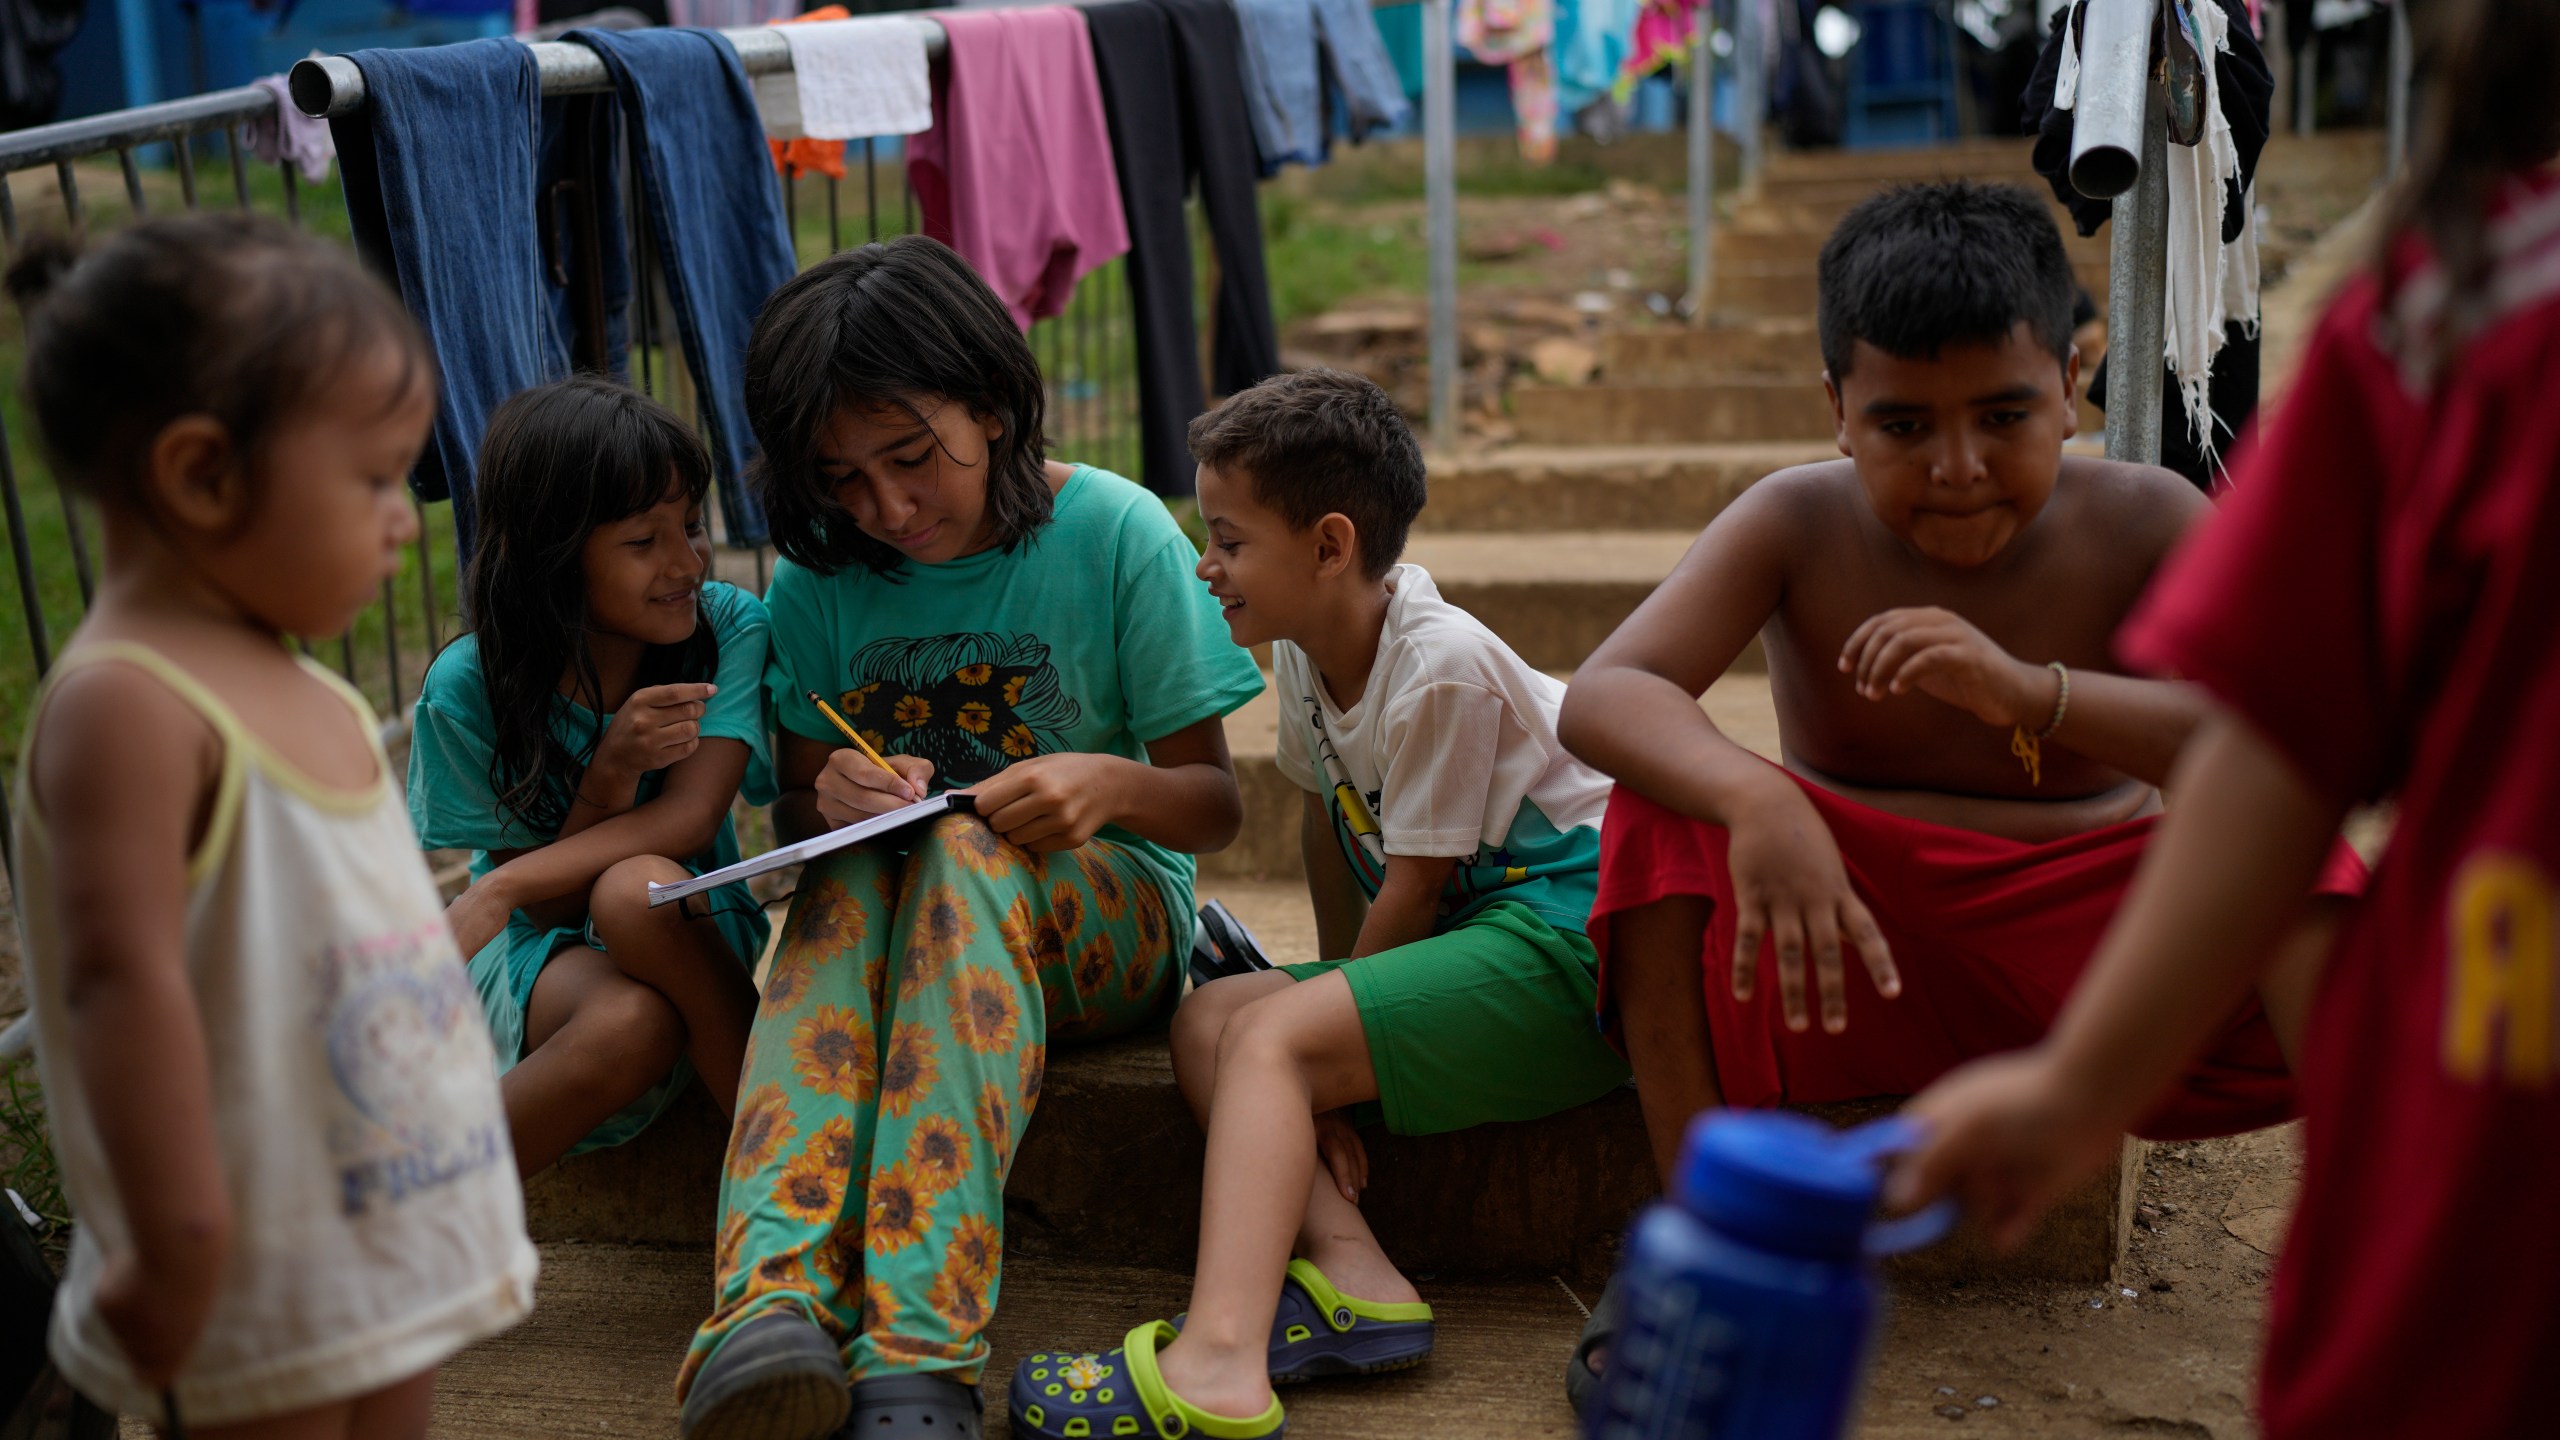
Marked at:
<point>1120,1393</point>
<point>1319,1333</point>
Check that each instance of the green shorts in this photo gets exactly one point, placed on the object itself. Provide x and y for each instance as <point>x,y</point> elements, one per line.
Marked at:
<point>1489,1020</point>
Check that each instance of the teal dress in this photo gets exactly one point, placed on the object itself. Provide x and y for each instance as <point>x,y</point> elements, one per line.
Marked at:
<point>454,806</point>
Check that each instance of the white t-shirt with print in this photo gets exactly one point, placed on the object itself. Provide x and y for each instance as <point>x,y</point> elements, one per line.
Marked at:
<point>1450,751</point>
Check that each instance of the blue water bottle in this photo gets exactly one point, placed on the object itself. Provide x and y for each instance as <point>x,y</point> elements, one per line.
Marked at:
<point>1749,1300</point>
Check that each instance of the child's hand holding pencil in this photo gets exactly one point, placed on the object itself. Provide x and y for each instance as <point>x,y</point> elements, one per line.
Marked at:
<point>861,782</point>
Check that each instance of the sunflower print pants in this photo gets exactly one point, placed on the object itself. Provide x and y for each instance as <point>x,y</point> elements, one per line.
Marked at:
<point>896,1056</point>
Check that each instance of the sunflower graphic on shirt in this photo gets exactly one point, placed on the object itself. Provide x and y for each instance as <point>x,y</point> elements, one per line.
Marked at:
<point>970,703</point>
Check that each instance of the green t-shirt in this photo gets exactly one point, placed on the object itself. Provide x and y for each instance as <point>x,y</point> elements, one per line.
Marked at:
<point>452,803</point>
<point>1091,636</point>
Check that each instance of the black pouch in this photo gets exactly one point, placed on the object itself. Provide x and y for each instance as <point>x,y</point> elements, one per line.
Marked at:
<point>36,1403</point>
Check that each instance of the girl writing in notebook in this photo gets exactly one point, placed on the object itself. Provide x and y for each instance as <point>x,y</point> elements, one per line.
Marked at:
<point>587,738</point>
<point>985,618</point>
<point>269,1089</point>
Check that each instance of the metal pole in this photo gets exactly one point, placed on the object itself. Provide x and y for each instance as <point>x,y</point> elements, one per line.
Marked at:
<point>2398,94</point>
<point>2116,110</point>
<point>1440,208</point>
<point>2137,290</point>
<point>1702,164</point>
<point>1751,88</point>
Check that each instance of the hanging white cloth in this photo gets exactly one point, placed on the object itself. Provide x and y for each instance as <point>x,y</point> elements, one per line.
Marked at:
<point>2210,284</point>
<point>849,79</point>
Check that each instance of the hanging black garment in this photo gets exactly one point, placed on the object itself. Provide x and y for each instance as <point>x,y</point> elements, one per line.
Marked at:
<point>1168,72</point>
<point>30,82</point>
<point>1133,59</point>
<point>1218,156</point>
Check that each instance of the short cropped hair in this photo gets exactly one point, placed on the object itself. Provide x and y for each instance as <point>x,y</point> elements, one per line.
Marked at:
<point>1318,442</point>
<point>1922,267</point>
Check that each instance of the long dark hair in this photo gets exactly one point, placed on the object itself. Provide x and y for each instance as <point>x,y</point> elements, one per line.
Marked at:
<point>896,324</point>
<point>2492,110</point>
<point>560,460</point>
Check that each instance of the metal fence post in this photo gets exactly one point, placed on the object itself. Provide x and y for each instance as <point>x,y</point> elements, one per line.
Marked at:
<point>2137,292</point>
<point>2120,149</point>
<point>1702,164</point>
<point>1751,87</point>
<point>1440,211</point>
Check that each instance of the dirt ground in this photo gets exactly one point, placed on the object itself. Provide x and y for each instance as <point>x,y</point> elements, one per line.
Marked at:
<point>2168,1350</point>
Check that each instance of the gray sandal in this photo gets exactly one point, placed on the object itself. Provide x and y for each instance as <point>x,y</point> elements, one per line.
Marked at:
<point>776,1377</point>
<point>1581,1382</point>
<point>912,1407</point>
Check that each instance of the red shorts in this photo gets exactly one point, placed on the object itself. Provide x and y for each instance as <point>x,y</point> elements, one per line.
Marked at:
<point>1988,933</point>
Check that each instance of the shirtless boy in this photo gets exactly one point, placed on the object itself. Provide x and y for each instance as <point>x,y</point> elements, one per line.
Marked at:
<point>1966,786</point>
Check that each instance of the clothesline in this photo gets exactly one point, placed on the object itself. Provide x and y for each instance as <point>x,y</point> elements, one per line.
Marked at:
<point>331,85</point>
<point>325,86</point>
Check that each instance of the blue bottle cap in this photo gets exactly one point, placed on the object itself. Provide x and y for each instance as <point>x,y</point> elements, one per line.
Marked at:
<point>1781,1181</point>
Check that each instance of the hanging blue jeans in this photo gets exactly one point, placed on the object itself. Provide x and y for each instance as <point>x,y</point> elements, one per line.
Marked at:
<point>439,173</point>
<point>714,210</point>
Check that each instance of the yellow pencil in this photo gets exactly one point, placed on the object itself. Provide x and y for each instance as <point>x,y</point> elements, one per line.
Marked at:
<point>856,737</point>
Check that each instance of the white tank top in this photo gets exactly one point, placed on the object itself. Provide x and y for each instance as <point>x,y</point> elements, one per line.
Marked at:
<point>377,1224</point>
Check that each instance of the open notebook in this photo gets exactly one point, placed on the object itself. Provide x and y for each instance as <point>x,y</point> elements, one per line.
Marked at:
<point>946,803</point>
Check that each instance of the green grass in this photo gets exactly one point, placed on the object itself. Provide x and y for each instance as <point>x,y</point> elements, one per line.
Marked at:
<point>27,1163</point>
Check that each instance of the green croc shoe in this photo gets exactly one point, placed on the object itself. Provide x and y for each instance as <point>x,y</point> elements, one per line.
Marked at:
<point>1120,1393</point>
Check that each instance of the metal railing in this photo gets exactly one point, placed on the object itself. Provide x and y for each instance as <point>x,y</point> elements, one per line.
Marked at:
<point>1086,354</point>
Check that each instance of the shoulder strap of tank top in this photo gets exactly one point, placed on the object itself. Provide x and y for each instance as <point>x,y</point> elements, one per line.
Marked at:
<point>236,740</point>
<point>365,717</point>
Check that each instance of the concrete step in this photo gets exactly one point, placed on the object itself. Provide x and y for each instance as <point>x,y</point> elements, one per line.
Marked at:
<point>1548,1196</point>
<point>1735,245</point>
<point>1815,214</point>
<point>1982,156</point>
<point>1727,409</point>
<point>1722,409</point>
<point>1551,597</point>
<point>1544,489</point>
<point>1790,288</point>
<point>1776,345</point>
<point>1267,847</point>
<point>1109,1173</point>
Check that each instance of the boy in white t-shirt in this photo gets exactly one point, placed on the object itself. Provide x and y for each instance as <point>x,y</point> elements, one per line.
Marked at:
<point>1452,851</point>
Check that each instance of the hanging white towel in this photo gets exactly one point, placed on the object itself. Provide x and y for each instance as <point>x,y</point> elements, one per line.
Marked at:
<point>849,79</point>
<point>2210,284</point>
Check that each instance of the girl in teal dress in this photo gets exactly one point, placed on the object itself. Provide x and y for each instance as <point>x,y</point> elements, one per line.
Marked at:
<point>586,738</point>
<point>990,620</point>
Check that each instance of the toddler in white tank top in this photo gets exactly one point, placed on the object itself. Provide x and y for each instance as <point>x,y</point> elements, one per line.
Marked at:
<point>270,1086</point>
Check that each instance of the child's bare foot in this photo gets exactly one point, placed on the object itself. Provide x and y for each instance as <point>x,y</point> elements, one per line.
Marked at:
<point>1222,1378</point>
<point>1359,1269</point>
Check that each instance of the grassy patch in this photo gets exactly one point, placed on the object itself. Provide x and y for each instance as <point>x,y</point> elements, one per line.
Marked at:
<point>26,1154</point>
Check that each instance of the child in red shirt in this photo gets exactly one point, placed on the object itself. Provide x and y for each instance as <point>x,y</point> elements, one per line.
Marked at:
<point>2378,607</point>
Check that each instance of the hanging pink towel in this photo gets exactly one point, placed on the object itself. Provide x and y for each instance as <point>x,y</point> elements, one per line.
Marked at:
<point>1016,172</point>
